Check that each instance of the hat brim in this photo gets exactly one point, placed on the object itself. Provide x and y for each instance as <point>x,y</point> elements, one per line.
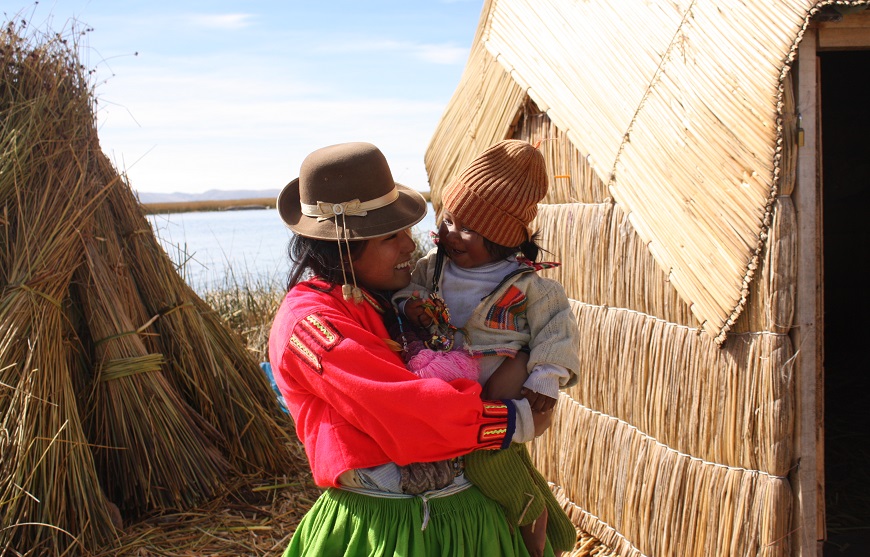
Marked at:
<point>406,211</point>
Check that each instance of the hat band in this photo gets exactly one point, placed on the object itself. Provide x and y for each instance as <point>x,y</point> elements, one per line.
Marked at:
<point>325,210</point>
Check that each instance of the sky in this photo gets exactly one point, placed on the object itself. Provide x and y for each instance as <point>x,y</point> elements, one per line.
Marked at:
<point>232,94</point>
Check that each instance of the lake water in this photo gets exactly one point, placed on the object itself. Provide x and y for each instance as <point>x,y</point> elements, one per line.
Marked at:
<point>215,249</point>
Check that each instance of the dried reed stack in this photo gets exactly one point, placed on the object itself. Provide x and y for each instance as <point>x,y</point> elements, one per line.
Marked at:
<point>114,376</point>
<point>209,364</point>
<point>138,421</point>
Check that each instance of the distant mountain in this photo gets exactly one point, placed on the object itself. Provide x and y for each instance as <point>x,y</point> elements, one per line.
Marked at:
<point>210,195</point>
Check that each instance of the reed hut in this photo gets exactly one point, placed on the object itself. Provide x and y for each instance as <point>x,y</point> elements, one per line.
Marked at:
<point>122,394</point>
<point>690,164</point>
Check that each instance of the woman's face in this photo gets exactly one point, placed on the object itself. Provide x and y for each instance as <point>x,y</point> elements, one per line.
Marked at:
<point>385,262</point>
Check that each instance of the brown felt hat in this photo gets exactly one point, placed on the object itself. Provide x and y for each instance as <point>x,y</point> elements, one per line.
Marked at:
<point>497,194</point>
<point>347,191</point>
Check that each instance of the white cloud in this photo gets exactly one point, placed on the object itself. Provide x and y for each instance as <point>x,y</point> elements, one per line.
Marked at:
<point>221,21</point>
<point>442,54</point>
<point>432,53</point>
<point>194,133</point>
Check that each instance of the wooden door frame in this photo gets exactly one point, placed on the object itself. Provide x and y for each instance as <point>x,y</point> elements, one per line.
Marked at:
<point>853,32</point>
<point>807,333</point>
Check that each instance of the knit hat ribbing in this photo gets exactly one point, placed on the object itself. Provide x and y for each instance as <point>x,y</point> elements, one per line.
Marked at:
<point>497,194</point>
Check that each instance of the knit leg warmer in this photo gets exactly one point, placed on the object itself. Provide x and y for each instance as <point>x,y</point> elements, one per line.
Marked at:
<point>560,530</point>
<point>509,478</point>
<point>503,477</point>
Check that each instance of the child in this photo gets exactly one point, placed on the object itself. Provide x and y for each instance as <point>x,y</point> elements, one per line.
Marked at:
<point>473,293</point>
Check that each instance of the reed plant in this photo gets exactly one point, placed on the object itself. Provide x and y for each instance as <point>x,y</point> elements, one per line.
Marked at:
<point>247,305</point>
<point>48,488</point>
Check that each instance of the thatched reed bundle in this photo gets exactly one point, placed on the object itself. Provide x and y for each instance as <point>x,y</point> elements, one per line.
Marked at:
<point>710,426</point>
<point>772,293</point>
<point>138,420</point>
<point>118,386</point>
<point>219,379</point>
<point>620,484</point>
<point>596,243</point>
<point>651,96</point>
<point>728,405</point>
<point>708,423</point>
<point>48,474</point>
<point>624,118</point>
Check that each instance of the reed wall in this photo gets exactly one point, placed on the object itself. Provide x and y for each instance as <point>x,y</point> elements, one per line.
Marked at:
<point>665,426</point>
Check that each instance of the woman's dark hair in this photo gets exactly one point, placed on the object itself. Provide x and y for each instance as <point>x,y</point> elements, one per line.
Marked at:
<point>309,257</point>
<point>530,249</point>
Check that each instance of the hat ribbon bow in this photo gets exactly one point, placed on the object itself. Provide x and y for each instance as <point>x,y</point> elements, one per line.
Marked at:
<point>325,210</point>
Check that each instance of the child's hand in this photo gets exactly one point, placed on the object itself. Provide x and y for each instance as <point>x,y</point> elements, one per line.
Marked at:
<point>537,401</point>
<point>416,313</point>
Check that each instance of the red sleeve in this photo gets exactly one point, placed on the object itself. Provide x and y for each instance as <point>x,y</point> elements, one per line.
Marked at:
<point>339,372</point>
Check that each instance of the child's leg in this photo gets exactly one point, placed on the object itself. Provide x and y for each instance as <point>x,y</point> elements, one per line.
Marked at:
<point>503,477</point>
<point>560,530</point>
<point>507,380</point>
<point>534,536</point>
<point>508,477</point>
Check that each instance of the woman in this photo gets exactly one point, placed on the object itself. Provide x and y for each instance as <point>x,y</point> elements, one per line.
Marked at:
<point>367,422</point>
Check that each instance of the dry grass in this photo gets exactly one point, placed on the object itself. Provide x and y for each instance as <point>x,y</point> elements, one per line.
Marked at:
<point>252,517</point>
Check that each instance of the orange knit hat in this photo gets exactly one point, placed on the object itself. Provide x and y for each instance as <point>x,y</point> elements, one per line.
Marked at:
<point>497,194</point>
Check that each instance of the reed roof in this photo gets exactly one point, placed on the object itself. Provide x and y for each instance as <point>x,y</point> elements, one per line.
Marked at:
<point>677,107</point>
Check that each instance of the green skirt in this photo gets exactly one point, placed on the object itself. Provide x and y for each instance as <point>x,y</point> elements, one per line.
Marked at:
<point>466,524</point>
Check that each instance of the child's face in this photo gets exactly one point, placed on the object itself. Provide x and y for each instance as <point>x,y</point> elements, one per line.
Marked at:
<point>464,247</point>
